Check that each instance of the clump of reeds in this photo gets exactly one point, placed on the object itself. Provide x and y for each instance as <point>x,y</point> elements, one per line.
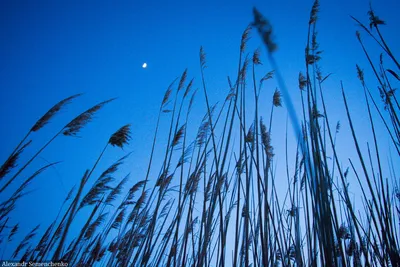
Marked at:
<point>214,199</point>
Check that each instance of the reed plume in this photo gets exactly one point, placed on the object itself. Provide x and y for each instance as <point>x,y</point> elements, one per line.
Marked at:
<point>74,126</point>
<point>121,137</point>
<point>11,162</point>
<point>52,112</point>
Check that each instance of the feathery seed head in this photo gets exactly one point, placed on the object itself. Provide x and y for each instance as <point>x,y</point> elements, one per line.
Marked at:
<point>118,221</point>
<point>13,231</point>
<point>245,38</point>
<point>93,227</point>
<point>266,141</point>
<point>314,12</point>
<point>116,191</point>
<point>351,247</point>
<point>178,136</point>
<point>360,74</point>
<point>121,137</point>
<point>192,183</point>
<point>74,126</point>
<point>243,71</point>
<point>293,211</point>
<point>11,162</point>
<point>374,21</point>
<point>182,81</point>
<point>266,77</point>
<point>249,138</point>
<point>202,58</point>
<point>302,81</point>
<point>52,112</point>
<point>135,188</point>
<point>256,57</point>
<point>343,232</point>
<point>188,87</point>
<point>168,94</point>
<point>264,28</point>
<point>277,98</point>
<point>192,100</point>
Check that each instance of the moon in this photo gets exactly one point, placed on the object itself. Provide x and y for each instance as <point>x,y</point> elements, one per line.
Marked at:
<point>144,65</point>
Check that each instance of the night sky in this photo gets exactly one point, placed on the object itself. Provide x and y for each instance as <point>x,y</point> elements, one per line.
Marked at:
<point>50,50</point>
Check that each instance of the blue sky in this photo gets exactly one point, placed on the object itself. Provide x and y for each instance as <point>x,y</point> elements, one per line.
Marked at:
<point>50,50</point>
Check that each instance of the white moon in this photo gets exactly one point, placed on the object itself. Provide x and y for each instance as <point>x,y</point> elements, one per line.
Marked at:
<point>144,65</point>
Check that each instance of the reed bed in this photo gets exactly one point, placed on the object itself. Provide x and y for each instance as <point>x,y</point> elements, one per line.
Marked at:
<point>215,200</point>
